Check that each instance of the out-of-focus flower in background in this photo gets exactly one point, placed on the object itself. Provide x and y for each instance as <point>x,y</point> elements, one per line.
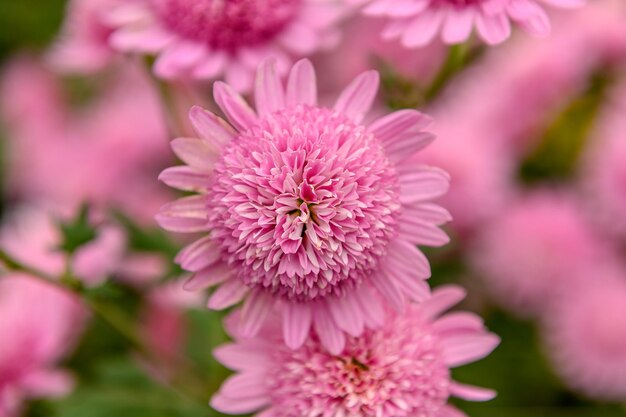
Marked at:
<point>217,39</point>
<point>39,325</point>
<point>399,369</point>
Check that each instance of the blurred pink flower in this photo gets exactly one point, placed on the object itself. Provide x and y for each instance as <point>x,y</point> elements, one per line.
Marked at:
<point>32,237</point>
<point>417,22</point>
<point>106,153</point>
<point>38,326</point>
<point>400,369</point>
<point>83,45</point>
<point>361,48</point>
<point>306,205</point>
<point>586,336</point>
<point>604,170</point>
<point>210,39</point>
<point>538,247</point>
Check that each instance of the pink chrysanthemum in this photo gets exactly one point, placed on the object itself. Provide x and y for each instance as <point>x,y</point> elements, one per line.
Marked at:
<point>208,39</point>
<point>417,22</point>
<point>401,369</point>
<point>306,205</point>
<point>38,325</point>
<point>538,247</point>
<point>586,334</point>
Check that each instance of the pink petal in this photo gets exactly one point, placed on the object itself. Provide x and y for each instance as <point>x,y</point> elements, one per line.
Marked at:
<point>458,25</point>
<point>234,106</point>
<point>347,314</point>
<point>419,183</point>
<point>228,294</point>
<point>388,127</point>
<point>429,212</point>
<point>530,16</point>
<point>388,289</point>
<point>210,66</point>
<point>208,277</point>
<point>442,299</point>
<point>269,95</point>
<point>239,357</point>
<point>245,385</point>
<point>407,145</point>
<point>371,307</point>
<point>493,29</point>
<point>237,405</point>
<point>302,85</point>
<point>255,310</point>
<point>47,383</point>
<point>403,255</point>
<point>331,337</point>
<point>186,215</point>
<point>300,39</point>
<point>449,411</point>
<point>459,321</point>
<point>413,287</point>
<point>195,153</point>
<point>210,127</point>
<point>198,255</point>
<point>297,319</point>
<point>471,393</point>
<point>423,29</point>
<point>177,58</point>
<point>464,349</point>
<point>148,40</point>
<point>406,8</point>
<point>185,178</point>
<point>357,98</point>
<point>421,232</point>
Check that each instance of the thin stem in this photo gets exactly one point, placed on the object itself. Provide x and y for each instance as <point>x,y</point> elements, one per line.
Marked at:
<point>458,58</point>
<point>13,264</point>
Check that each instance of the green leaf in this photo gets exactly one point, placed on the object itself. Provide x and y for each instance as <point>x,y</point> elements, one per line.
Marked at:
<point>76,232</point>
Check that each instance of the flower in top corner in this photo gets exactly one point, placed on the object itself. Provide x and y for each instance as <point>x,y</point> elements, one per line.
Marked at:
<point>306,207</point>
<point>418,22</point>
<point>212,39</point>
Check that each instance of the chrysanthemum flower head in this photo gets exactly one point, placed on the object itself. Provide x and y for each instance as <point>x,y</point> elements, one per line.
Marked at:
<point>586,336</point>
<point>306,206</point>
<point>208,39</point>
<point>417,22</point>
<point>541,245</point>
<point>400,369</point>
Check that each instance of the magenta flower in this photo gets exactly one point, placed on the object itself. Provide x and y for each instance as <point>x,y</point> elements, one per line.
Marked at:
<point>586,336</point>
<point>401,369</point>
<point>306,206</point>
<point>38,326</point>
<point>418,22</point>
<point>208,39</point>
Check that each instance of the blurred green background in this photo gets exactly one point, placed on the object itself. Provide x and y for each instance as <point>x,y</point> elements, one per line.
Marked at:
<point>112,384</point>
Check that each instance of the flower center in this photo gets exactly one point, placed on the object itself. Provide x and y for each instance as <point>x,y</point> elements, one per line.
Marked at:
<point>227,24</point>
<point>304,203</point>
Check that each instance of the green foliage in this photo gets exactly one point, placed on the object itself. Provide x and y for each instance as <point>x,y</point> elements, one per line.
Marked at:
<point>77,232</point>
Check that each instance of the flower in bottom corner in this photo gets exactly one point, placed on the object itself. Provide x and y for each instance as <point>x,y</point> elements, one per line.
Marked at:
<point>401,369</point>
<point>306,206</point>
<point>38,325</point>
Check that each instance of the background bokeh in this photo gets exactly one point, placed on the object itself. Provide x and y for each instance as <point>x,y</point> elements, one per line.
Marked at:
<point>522,117</point>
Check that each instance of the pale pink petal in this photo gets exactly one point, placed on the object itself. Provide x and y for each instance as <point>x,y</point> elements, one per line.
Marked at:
<point>178,57</point>
<point>405,256</point>
<point>185,178</point>
<point>186,215</point>
<point>406,8</point>
<point>459,321</point>
<point>213,275</point>
<point>493,29</point>
<point>422,232</point>
<point>196,153</point>
<point>47,383</point>
<point>458,25</point>
<point>407,145</point>
<point>297,319</point>
<point>442,299</point>
<point>210,127</point>
<point>234,106</point>
<point>268,93</point>
<point>419,183</point>
<point>346,314</point>
<point>331,337</point>
<point>229,293</point>
<point>530,16</point>
<point>300,39</point>
<point>199,255</point>
<point>463,349</point>
<point>413,287</point>
<point>256,308</point>
<point>238,405</point>
<point>302,85</point>
<point>471,393</point>
<point>423,28</point>
<point>147,40</point>
<point>245,385</point>
<point>429,212</point>
<point>371,307</point>
<point>388,289</point>
<point>240,357</point>
<point>388,127</point>
<point>210,66</point>
<point>357,98</point>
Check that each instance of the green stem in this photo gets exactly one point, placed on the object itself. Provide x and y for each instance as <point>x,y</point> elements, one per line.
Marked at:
<point>457,59</point>
<point>111,315</point>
